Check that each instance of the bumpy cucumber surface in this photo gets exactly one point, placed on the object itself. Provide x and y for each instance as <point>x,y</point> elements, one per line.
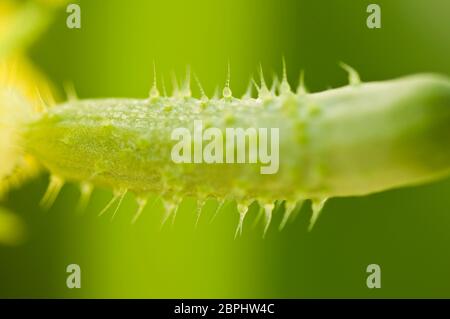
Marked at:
<point>354,140</point>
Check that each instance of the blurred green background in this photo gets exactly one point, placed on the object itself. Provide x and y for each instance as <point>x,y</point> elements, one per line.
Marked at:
<point>405,231</point>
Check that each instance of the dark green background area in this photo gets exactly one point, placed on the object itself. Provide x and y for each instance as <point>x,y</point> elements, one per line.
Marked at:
<point>405,231</point>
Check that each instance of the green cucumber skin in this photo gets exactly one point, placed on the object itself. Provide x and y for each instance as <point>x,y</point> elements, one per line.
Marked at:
<point>348,141</point>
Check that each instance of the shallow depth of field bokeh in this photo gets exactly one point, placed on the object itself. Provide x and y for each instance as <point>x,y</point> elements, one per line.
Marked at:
<point>406,231</point>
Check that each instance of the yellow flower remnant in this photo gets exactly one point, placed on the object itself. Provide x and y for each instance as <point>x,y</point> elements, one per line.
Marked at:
<point>12,228</point>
